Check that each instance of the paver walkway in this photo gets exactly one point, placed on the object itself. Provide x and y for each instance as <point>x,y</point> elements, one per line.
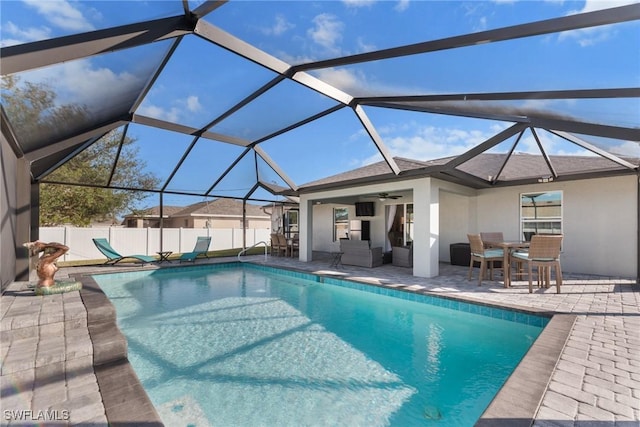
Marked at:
<point>47,352</point>
<point>47,361</point>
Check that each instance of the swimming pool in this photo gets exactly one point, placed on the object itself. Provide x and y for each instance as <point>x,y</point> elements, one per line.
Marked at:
<point>249,345</point>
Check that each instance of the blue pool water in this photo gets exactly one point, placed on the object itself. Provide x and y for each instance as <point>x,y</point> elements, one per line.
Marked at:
<point>247,345</point>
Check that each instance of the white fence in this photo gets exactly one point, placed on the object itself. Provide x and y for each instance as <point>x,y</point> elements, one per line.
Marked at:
<point>145,241</point>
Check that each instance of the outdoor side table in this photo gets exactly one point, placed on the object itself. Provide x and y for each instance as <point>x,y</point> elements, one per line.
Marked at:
<point>336,260</point>
<point>164,256</point>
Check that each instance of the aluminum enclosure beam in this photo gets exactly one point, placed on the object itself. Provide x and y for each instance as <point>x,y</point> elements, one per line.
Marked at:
<point>206,7</point>
<point>24,57</point>
<point>260,152</point>
<point>574,139</point>
<point>187,130</point>
<point>481,148</point>
<point>50,149</point>
<point>625,92</point>
<point>233,44</point>
<point>377,140</point>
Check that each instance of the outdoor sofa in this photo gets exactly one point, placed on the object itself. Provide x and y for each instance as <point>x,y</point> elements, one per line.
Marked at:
<point>359,252</point>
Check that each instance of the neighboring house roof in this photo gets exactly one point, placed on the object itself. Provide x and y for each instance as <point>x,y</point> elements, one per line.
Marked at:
<point>154,212</point>
<point>220,207</point>
<point>217,207</point>
<point>484,167</point>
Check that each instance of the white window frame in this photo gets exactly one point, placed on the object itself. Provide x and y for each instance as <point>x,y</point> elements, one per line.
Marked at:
<point>541,220</point>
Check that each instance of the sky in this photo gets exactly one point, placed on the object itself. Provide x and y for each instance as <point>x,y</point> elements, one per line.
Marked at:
<point>196,87</point>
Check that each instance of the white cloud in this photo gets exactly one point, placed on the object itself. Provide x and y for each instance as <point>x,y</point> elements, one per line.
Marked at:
<point>174,114</point>
<point>401,6</point>
<point>414,140</point>
<point>96,84</point>
<point>427,142</point>
<point>627,149</point>
<point>280,26</point>
<point>356,83</point>
<point>170,115</point>
<point>345,80</point>
<point>327,31</point>
<point>591,5</point>
<point>358,3</point>
<point>79,83</point>
<point>590,36</point>
<point>481,25</point>
<point>365,47</point>
<point>61,14</point>
<point>24,35</point>
<point>193,104</point>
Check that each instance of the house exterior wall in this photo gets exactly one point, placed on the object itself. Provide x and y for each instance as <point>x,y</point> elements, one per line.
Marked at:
<point>599,219</point>
<point>599,222</point>
<point>455,221</point>
<point>323,226</point>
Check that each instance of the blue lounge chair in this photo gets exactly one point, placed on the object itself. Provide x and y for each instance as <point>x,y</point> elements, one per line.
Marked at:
<point>201,248</point>
<point>114,257</point>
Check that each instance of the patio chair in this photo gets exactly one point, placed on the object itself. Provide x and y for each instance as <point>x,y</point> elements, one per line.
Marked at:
<point>201,248</point>
<point>483,255</point>
<point>113,257</point>
<point>544,253</point>
<point>491,236</point>
<point>282,243</point>
<point>275,244</point>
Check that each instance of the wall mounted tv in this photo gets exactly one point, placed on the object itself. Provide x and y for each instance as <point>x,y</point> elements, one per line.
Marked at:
<point>365,209</point>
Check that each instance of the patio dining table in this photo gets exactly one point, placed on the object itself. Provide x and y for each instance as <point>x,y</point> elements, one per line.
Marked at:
<point>508,246</point>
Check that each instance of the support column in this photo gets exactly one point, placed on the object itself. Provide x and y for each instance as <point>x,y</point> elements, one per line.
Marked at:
<point>426,211</point>
<point>305,220</point>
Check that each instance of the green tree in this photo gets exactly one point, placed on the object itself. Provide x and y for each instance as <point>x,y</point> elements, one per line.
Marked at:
<point>74,193</point>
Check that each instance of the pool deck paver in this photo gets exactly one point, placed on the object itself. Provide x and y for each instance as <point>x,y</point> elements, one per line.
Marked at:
<point>48,354</point>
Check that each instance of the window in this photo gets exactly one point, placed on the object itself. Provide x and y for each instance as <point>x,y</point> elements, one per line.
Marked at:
<point>291,222</point>
<point>540,213</point>
<point>340,223</point>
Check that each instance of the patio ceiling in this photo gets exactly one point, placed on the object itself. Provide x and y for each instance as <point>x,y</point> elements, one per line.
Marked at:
<point>258,108</point>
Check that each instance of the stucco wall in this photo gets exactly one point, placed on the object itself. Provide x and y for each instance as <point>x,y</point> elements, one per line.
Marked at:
<point>455,221</point>
<point>599,222</point>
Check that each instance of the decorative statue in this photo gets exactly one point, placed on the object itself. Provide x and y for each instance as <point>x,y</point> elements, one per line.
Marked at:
<point>46,267</point>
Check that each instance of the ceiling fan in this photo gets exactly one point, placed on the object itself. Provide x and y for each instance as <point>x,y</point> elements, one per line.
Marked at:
<point>384,196</point>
